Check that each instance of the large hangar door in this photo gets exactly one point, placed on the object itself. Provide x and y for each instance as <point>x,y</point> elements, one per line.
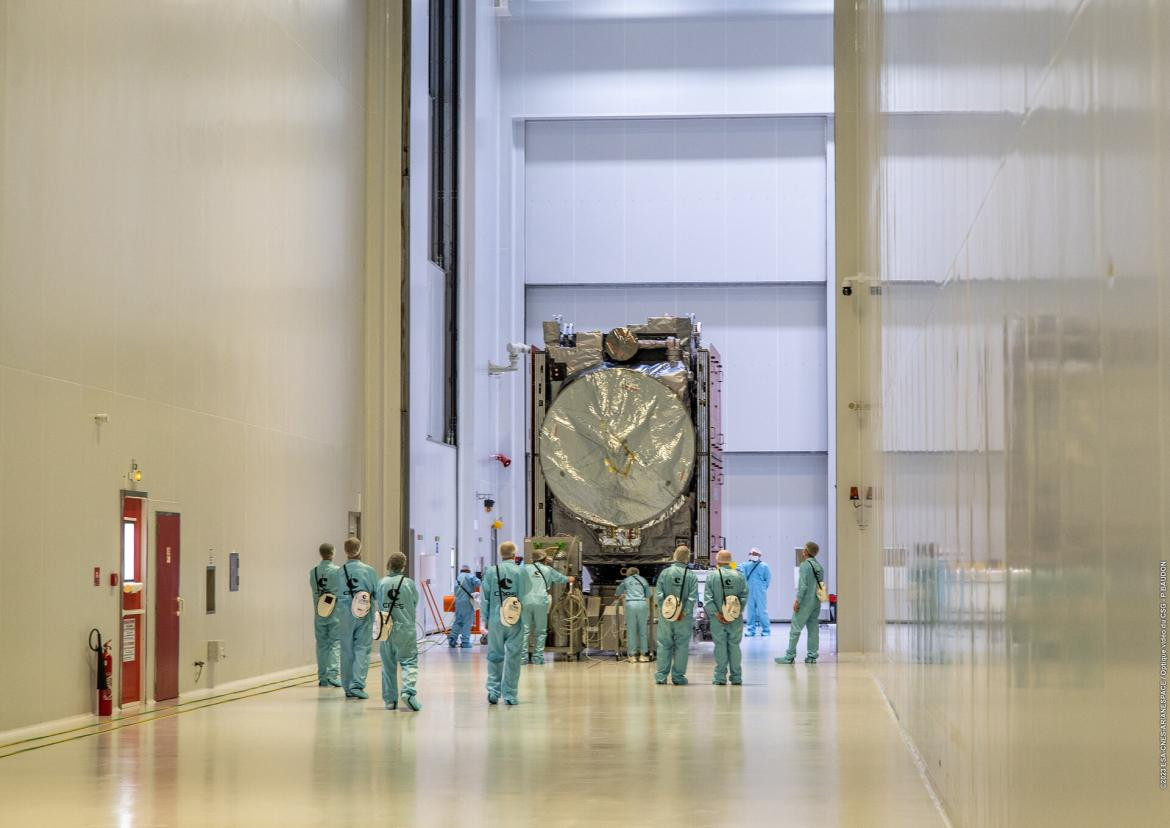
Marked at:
<point>726,218</point>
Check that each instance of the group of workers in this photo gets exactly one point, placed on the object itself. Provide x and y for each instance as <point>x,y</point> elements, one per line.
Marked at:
<point>352,604</point>
<point>354,607</point>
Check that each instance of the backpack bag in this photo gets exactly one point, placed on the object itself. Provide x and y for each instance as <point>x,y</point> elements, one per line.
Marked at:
<point>510,609</point>
<point>384,623</point>
<point>822,592</point>
<point>326,601</point>
<point>360,607</point>
<point>729,607</point>
<point>672,605</point>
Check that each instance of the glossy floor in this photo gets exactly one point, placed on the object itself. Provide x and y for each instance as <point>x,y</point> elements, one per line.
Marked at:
<point>591,743</point>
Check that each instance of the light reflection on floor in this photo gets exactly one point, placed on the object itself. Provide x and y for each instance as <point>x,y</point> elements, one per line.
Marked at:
<point>592,743</point>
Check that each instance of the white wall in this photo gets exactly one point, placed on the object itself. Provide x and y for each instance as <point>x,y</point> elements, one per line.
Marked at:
<point>675,200</point>
<point>706,57</point>
<point>446,481</point>
<point>489,318</point>
<point>1020,358</point>
<point>181,248</point>
<point>433,464</point>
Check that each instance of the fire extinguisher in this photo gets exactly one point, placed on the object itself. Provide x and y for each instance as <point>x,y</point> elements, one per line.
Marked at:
<point>105,673</point>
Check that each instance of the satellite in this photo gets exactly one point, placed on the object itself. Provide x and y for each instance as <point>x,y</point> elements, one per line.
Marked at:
<point>626,450</point>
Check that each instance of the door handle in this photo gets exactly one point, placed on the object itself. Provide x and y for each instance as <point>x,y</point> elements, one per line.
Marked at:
<point>179,611</point>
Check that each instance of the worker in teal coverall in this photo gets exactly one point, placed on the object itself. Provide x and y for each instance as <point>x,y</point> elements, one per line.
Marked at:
<point>636,593</point>
<point>542,577</point>
<point>806,609</point>
<point>397,598</point>
<point>727,634</point>
<point>465,586</point>
<point>674,637</point>
<point>325,579</point>
<point>356,633</point>
<point>505,644</point>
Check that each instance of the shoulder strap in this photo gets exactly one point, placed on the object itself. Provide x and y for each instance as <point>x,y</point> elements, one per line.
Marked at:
<point>813,567</point>
<point>499,583</point>
<point>348,588</point>
<point>394,593</point>
<point>754,565</point>
<point>682,587</point>
<point>645,585</point>
<point>541,574</point>
<point>463,586</point>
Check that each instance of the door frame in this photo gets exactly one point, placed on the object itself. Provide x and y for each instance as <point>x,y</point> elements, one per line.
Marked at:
<point>145,543</point>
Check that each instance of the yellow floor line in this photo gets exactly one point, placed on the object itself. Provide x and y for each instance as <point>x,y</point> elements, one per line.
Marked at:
<point>153,715</point>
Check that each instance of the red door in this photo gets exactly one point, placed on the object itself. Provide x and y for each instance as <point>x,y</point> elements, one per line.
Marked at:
<point>167,606</point>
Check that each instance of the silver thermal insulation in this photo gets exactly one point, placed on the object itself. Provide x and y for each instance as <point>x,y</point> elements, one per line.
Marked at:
<point>621,344</point>
<point>586,355</point>
<point>617,448</point>
<point>674,375</point>
<point>678,326</point>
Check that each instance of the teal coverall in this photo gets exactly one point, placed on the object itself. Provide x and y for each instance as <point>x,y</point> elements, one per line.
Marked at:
<point>637,609</point>
<point>398,596</point>
<point>356,633</point>
<point>809,614</point>
<point>722,582</point>
<point>465,586</point>
<point>505,644</point>
<point>535,618</point>
<point>325,577</point>
<point>675,636</point>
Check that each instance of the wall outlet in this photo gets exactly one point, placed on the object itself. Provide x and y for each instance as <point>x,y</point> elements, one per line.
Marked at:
<point>216,651</point>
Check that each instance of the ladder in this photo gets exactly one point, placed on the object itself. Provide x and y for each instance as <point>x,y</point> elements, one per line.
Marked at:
<point>434,607</point>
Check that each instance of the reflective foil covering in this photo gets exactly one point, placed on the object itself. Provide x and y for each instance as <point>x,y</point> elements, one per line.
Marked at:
<point>673,375</point>
<point>617,448</point>
<point>587,354</point>
<point>621,344</point>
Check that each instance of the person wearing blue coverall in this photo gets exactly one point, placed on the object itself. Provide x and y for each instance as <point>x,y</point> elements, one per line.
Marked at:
<point>542,578</point>
<point>758,576</point>
<point>721,584</point>
<point>325,579</point>
<point>806,609</point>
<point>635,592</point>
<point>505,644</point>
<point>397,599</point>
<point>674,637</point>
<point>356,633</point>
<point>465,586</point>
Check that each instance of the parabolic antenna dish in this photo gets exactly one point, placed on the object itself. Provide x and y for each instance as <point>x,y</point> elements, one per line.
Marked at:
<point>617,448</point>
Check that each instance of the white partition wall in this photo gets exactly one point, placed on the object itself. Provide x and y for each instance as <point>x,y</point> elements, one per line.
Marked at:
<point>182,194</point>
<point>698,200</point>
<point>1013,183</point>
<point>601,57</point>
